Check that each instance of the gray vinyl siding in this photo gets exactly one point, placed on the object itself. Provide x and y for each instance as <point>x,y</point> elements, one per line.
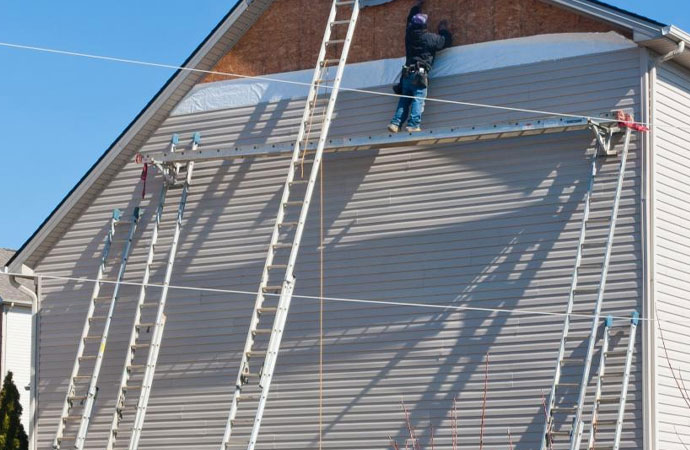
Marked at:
<point>483,225</point>
<point>672,252</point>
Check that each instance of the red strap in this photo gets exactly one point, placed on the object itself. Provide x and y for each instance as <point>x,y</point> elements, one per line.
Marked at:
<point>144,175</point>
<point>627,121</point>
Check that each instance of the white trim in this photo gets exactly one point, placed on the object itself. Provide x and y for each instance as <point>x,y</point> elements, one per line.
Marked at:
<point>650,417</point>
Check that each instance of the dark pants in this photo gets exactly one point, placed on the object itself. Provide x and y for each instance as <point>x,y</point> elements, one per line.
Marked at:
<point>412,107</point>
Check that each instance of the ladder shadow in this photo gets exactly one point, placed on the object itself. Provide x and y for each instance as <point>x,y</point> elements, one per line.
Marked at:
<point>499,271</point>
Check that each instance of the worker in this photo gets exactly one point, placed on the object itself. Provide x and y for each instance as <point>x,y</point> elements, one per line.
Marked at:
<point>420,49</point>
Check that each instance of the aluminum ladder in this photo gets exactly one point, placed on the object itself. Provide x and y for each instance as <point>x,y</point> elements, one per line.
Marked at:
<point>617,397</point>
<point>97,302</point>
<point>604,135</point>
<point>171,174</point>
<point>296,195</point>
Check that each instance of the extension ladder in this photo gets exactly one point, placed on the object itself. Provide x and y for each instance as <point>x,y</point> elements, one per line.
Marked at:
<point>158,323</point>
<point>604,135</point>
<point>297,195</point>
<point>617,397</point>
<point>97,303</point>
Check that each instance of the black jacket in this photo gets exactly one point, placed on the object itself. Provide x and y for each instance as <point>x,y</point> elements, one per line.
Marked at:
<point>421,45</point>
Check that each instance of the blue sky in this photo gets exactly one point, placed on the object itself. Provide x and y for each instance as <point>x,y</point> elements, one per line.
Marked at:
<point>58,114</point>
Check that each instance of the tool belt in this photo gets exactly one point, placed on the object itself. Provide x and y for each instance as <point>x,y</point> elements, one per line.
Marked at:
<point>420,71</point>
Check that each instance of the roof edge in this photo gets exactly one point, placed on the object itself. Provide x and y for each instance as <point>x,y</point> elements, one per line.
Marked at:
<point>127,134</point>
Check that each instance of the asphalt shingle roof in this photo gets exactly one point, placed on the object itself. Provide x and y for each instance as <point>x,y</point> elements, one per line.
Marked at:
<point>7,291</point>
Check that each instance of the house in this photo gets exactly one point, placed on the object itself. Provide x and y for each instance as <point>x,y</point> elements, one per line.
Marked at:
<point>446,267</point>
<point>16,325</point>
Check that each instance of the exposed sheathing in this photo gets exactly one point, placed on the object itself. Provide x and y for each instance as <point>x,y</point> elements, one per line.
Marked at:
<point>488,224</point>
<point>287,37</point>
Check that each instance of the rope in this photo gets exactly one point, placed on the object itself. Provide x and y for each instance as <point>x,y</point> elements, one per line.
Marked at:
<point>330,299</point>
<point>306,84</point>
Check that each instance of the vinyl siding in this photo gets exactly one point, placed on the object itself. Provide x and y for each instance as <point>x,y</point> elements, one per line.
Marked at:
<point>17,354</point>
<point>485,225</point>
<point>672,252</point>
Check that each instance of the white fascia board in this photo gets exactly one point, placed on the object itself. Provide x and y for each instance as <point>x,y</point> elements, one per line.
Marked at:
<point>124,141</point>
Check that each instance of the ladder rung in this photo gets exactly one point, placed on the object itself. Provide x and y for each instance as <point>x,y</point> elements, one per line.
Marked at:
<point>306,161</point>
<point>293,203</point>
<point>345,3</point>
<point>591,266</point>
<point>92,338</point>
<point>72,398</point>
<point>560,433</point>
<point>616,353</point>
<point>87,358</point>
<point>296,182</point>
<point>262,331</point>
<point>565,408</point>
<point>567,385</point>
<point>146,325</point>
<point>136,366</point>
<point>272,288</point>
<point>102,299</point>
<point>340,22</point>
<point>71,418</point>
<point>606,422</point>
<point>277,246</point>
<point>267,309</point>
<point>277,266</point>
<point>242,422</point>
<point>250,396</point>
<point>81,377</point>
<point>97,318</point>
<point>287,224</point>
<point>131,388</point>
<point>329,62</point>
<point>335,42</point>
<point>253,353</point>
<point>599,220</point>
<point>609,399</point>
<point>135,346</point>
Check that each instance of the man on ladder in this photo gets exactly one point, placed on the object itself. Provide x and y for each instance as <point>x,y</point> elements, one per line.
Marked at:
<point>420,50</point>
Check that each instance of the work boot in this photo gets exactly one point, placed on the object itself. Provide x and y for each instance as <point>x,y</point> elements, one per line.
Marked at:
<point>413,129</point>
<point>393,128</point>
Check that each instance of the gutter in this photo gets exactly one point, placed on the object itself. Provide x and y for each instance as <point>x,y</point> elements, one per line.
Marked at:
<point>35,307</point>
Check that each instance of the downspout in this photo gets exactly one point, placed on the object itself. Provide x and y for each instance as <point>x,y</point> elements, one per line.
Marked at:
<point>671,55</point>
<point>33,392</point>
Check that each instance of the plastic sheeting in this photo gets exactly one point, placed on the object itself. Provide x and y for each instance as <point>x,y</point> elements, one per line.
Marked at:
<point>453,61</point>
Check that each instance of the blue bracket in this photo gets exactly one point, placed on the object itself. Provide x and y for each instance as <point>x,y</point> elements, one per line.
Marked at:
<point>175,139</point>
<point>117,214</point>
<point>609,322</point>
<point>196,138</point>
<point>635,318</point>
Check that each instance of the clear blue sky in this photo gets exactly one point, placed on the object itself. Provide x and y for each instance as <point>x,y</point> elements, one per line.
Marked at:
<point>58,114</point>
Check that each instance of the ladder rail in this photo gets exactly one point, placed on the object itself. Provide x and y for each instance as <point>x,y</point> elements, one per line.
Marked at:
<point>578,422</point>
<point>159,323</point>
<point>548,424</point>
<point>288,283</point>
<point>92,390</point>
<point>85,330</point>
<point>626,380</point>
<point>126,372</point>
<point>600,377</point>
<point>260,297</point>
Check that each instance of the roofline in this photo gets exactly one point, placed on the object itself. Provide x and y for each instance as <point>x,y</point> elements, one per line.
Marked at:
<point>643,29</point>
<point>129,127</point>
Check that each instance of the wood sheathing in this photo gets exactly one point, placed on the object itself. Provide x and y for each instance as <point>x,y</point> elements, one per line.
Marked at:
<point>288,35</point>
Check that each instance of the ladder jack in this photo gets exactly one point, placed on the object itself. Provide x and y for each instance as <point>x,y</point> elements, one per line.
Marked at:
<point>297,194</point>
<point>604,135</point>
<point>618,397</point>
<point>86,351</point>
<point>171,174</point>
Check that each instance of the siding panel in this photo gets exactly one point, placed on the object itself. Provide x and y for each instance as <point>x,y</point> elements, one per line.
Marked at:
<point>480,225</point>
<point>672,248</point>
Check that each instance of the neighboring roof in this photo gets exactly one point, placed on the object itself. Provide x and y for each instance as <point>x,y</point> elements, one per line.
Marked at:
<point>9,293</point>
<point>224,36</point>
